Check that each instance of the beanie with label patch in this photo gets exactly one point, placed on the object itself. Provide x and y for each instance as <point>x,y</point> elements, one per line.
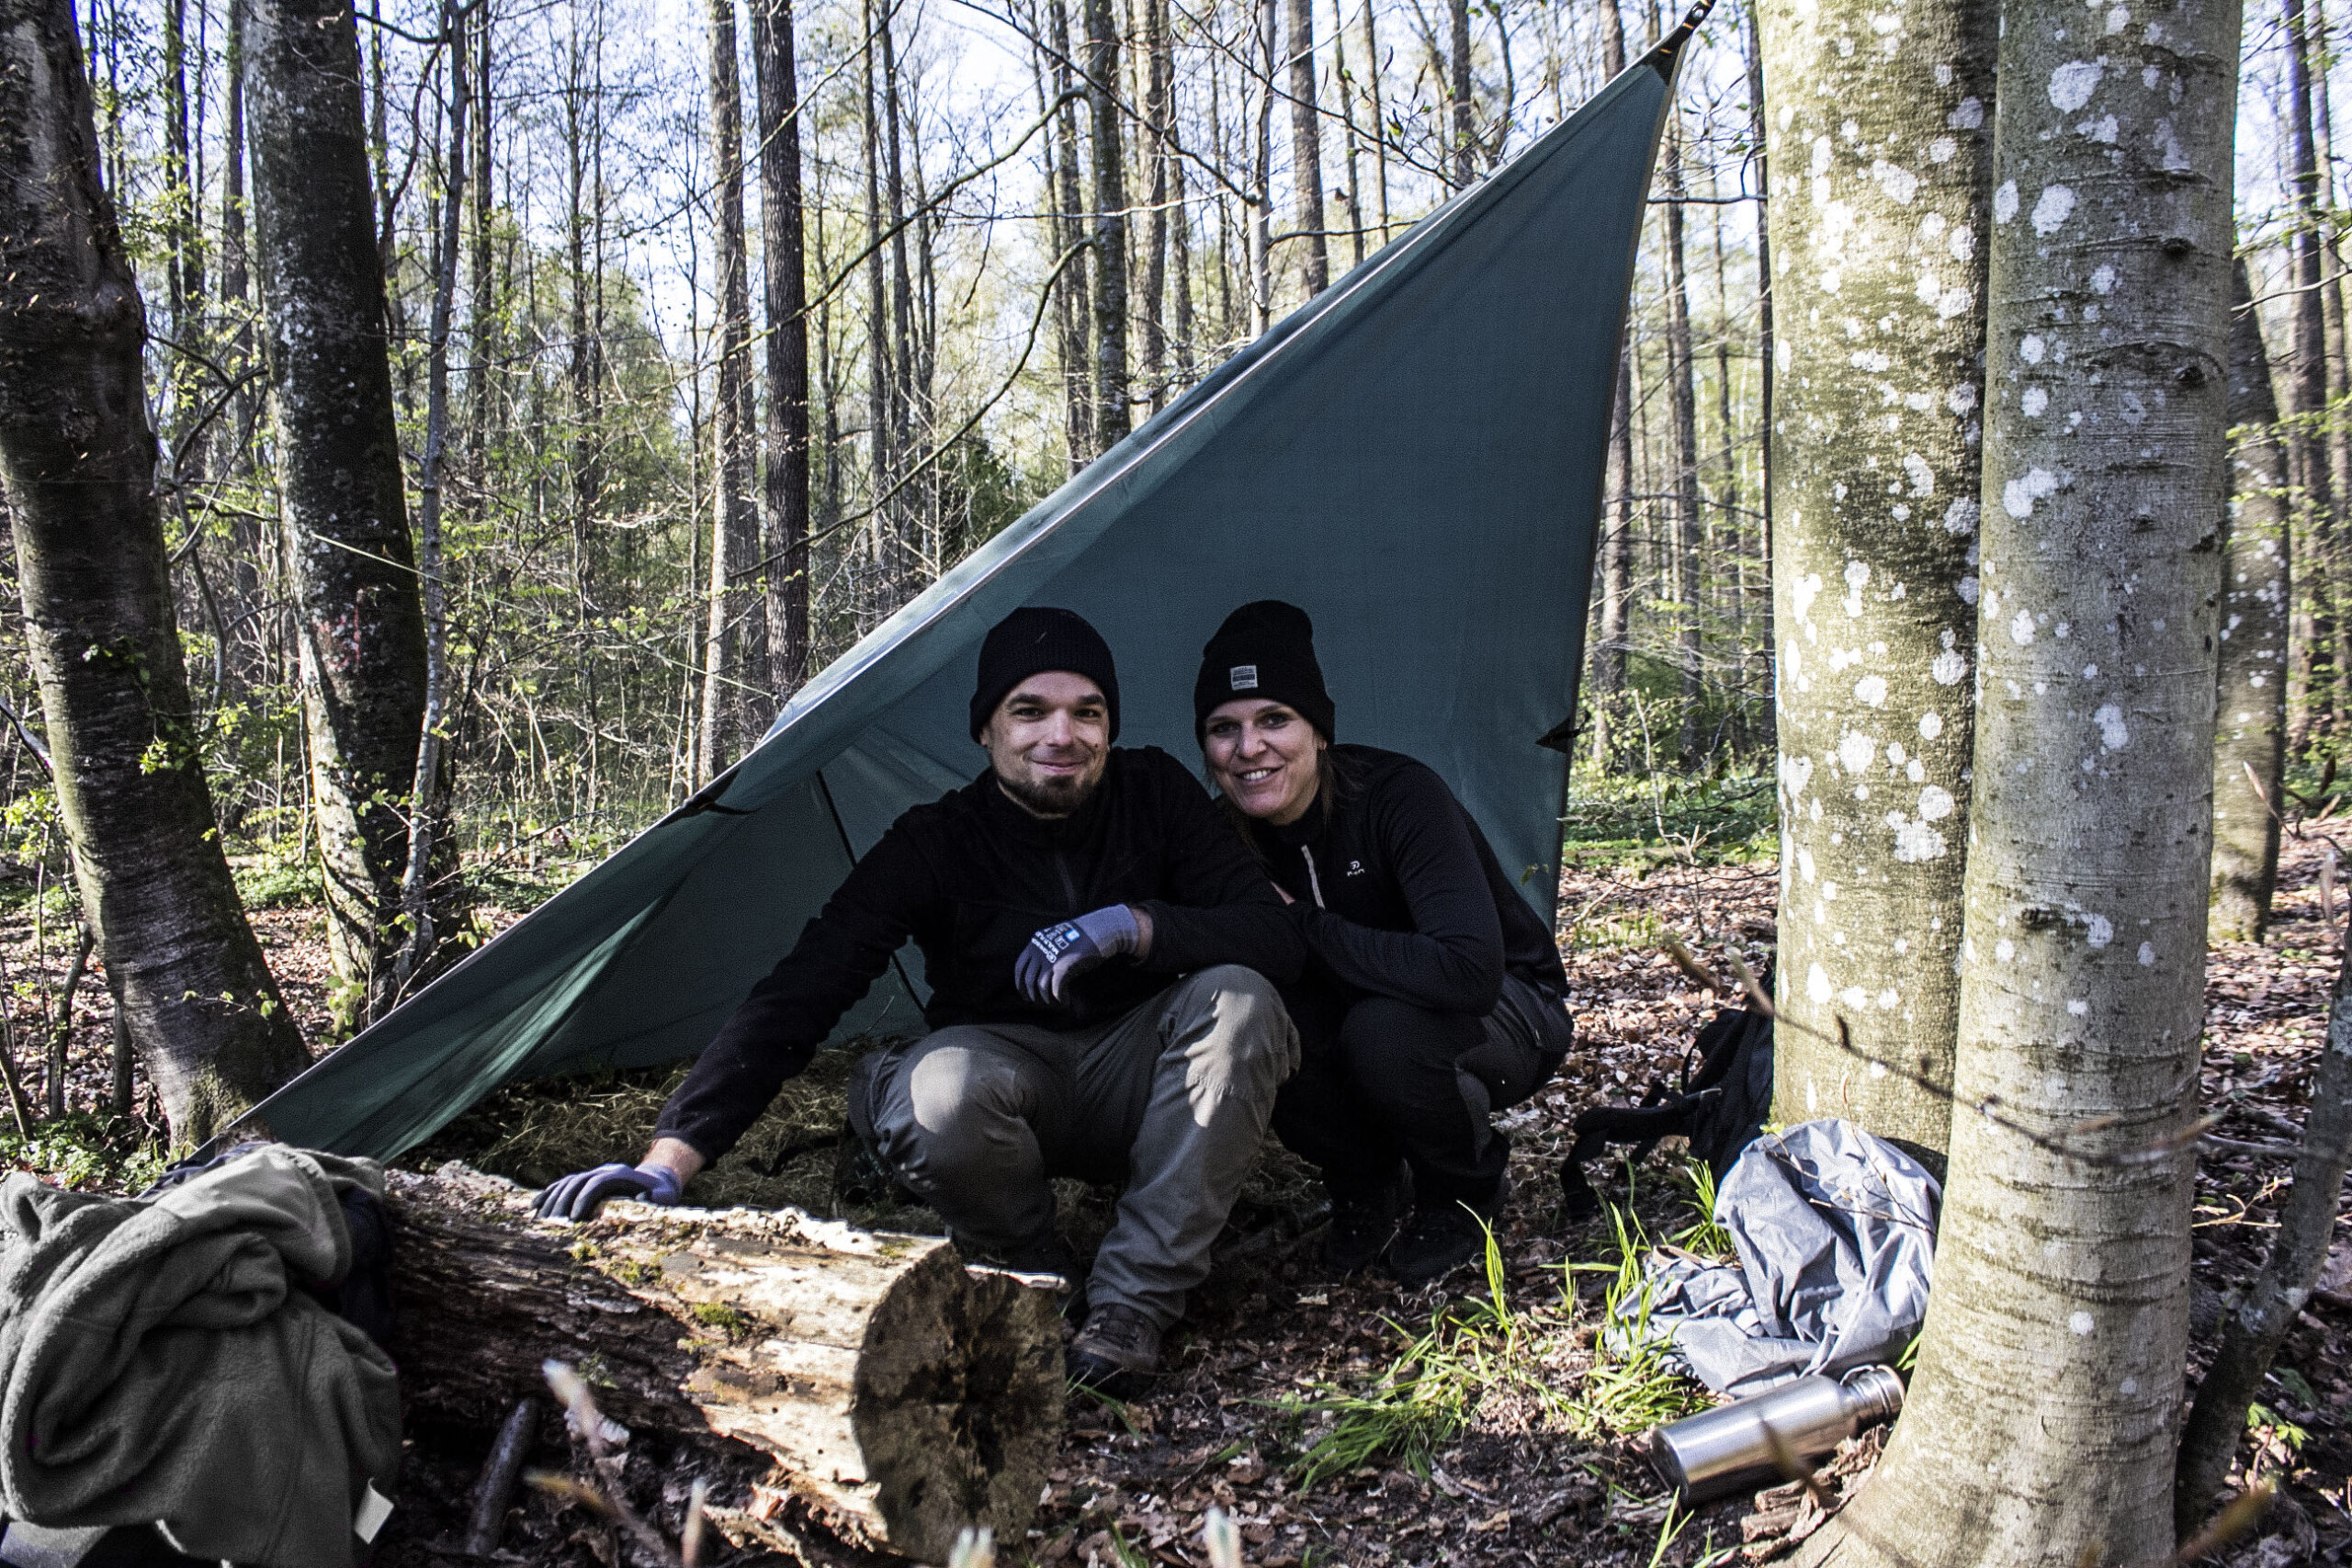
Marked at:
<point>1264,649</point>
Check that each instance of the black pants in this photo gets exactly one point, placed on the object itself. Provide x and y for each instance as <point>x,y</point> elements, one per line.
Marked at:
<point>1384,1081</point>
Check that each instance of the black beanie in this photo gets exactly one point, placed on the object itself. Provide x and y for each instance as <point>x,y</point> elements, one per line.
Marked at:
<point>1037,638</point>
<point>1264,649</point>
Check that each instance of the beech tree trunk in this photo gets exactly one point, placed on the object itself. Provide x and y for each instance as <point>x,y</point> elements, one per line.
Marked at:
<point>345,521</point>
<point>1306,150</point>
<point>78,457</point>
<point>2250,726</point>
<point>889,1392</point>
<point>784,258</point>
<point>728,695</point>
<point>1466,135</point>
<point>1690,527</point>
<point>1615,566</point>
<point>2042,1421</point>
<point>1112,419</point>
<point>1874,464</point>
<point>2321,677</point>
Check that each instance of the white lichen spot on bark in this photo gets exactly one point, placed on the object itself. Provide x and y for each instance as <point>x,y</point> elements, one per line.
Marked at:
<point>1931,724</point>
<point>2004,202</point>
<point>2098,930</point>
<point>2081,1322</point>
<point>2113,734</point>
<point>2072,85</point>
<point>2147,956</point>
<point>1871,691</point>
<point>2051,212</point>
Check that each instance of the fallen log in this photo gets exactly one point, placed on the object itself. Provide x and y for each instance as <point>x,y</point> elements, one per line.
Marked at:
<point>894,1394</point>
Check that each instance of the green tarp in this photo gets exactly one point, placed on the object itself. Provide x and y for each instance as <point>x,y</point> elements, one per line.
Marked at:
<point>1415,457</point>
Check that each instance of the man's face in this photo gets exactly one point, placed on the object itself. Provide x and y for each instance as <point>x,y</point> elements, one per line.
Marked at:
<point>1049,740</point>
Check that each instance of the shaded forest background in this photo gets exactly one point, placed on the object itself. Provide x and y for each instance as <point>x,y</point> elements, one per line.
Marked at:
<point>1025,225</point>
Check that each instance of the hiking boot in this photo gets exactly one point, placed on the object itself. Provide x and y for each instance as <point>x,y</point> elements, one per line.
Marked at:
<point>1115,1352</point>
<point>1363,1223</point>
<point>1443,1236</point>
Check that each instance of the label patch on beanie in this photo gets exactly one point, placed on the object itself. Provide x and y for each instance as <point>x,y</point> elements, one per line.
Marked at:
<point>1244,677</point>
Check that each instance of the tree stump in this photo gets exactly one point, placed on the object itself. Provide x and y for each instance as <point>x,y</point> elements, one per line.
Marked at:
<point>899,1397</point>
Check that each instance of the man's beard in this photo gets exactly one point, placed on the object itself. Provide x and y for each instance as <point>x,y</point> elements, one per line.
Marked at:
<point>1052,796</point>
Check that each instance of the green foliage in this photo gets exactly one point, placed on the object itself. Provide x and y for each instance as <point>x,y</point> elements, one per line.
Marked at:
<point>1703,1235</point>
<point>87,1152</point>
<point>1715,818</point>
<point>274,877</point>
<point>1633,1385</point>
<point>1427,1394</point>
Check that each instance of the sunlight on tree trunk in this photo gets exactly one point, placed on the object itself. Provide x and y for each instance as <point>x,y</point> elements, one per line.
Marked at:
<point>78,457</point>
<point>2249,729</point>
<point>2042,1422</point>
<point>1877,240</point>
<point>345,534</point>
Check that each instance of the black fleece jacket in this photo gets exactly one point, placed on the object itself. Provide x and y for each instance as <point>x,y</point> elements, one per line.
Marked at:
<point>969,878</point>
<point>1398,894</point>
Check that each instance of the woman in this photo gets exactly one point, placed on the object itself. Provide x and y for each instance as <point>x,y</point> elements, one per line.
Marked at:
<point>1434,996</point>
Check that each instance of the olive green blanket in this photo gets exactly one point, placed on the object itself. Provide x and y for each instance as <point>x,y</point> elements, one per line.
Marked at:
<point>159,1361</point>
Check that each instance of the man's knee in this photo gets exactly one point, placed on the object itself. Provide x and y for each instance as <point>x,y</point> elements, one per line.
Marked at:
<point>951,1112</point>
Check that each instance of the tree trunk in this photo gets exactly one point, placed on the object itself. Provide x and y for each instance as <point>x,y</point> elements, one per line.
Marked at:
<point>483,321</point>
<point>1371,68</point>
<point>1078,397</point>
<point>871,1379</point>
<point>905,426</point>
<point>2042,1424</point>
<point>784,257</point>
<point>2250,735</point>
<point>1159,99</point>
<point>1180,213</point>
<point>1343,83</point>
<point>1112,421</point>
<point>1767,369</point>
<point>728,679</point>
<point>1306,150</point>
<point>1616,563</point>
<point>2324,676</point>
<point>427,794</point>
<point>1690,525</point>
<point>1874,463</point>
<point>1261,178</point>
<point>345,518</point>
<point>1458,89</point>
<point>78,460</point>
<point>2270,1304</point>
<point>880,444</point>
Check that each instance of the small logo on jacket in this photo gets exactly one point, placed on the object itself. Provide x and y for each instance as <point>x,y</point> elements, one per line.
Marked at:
<point>1244,677</point>
<point>1355,868</point>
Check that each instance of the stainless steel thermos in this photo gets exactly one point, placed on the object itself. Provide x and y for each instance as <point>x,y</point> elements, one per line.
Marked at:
<point>1728,1448</point>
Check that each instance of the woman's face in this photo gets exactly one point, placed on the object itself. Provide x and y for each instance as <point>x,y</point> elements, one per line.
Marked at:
<point>1265,758</point>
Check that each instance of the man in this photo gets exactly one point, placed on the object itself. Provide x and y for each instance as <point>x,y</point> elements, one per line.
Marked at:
<point>1102,954</point>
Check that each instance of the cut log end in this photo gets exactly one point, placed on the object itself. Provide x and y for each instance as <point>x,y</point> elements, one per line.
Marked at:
<point>900,1396</point>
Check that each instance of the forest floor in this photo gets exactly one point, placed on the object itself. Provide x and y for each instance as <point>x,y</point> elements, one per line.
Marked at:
<point>1347,1424</point>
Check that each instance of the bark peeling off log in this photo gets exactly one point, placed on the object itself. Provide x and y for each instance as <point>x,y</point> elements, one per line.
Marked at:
<point>897,1394</point>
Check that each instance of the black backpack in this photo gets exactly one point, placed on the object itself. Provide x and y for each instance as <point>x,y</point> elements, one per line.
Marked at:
<point>1721,1107</point>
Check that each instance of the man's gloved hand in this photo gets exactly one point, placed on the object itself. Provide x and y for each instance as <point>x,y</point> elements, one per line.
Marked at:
<point>577,1196</point>
<point>1068,948</point>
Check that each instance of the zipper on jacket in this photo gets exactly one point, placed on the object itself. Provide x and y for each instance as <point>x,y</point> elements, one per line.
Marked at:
<point>1314,881</point>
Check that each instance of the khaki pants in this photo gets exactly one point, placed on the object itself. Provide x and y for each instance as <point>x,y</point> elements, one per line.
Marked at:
<point>1172,1099</point>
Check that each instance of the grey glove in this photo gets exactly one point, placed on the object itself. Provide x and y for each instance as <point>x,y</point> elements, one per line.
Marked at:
<point>1068,948</point>
<point>577,1197</point>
